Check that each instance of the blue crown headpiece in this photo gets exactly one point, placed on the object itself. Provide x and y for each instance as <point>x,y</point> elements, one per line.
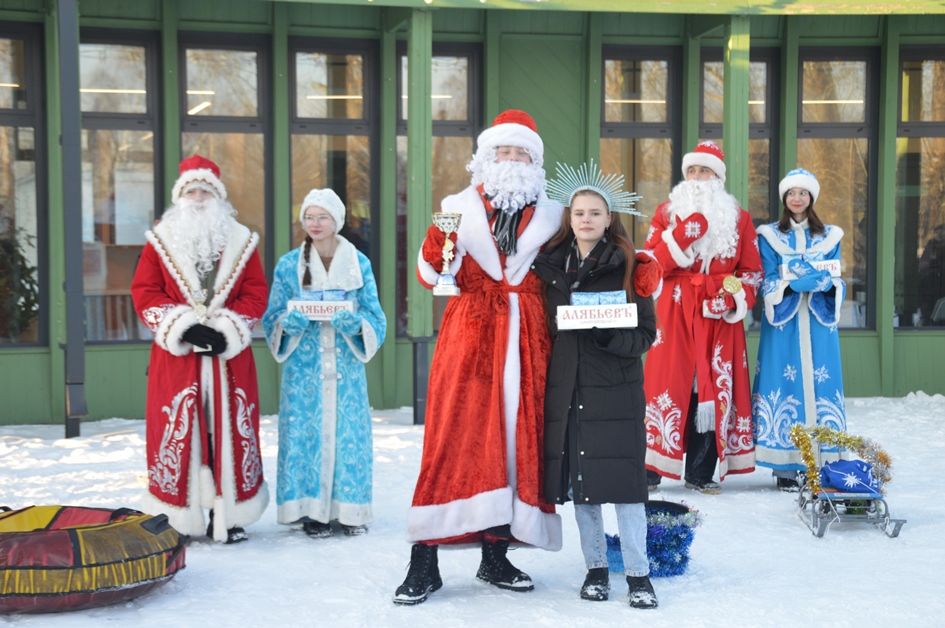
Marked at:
<point>589,177</point>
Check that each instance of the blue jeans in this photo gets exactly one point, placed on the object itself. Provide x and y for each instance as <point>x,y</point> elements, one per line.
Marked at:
<point>631,523</point>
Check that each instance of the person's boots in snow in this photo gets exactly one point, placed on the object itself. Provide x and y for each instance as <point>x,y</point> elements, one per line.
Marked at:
<point>423,576</point>
<point>596,585</point>
<point>496,569</point>
<point>641,593</point>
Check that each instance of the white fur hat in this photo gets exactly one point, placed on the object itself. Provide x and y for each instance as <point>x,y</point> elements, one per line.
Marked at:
<point>514,128</point>
<point>800,178</point>
<point>328,200</point>
<point>706,154</point>
<point>198,169</point>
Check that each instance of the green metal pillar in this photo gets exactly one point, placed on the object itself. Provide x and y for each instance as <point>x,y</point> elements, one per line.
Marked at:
<point>491,66</point>
<point>387,273</point>
<point>56,229</point>
<point>691,80</point>
<point>281,139</point>
<point>419,193</point>
<point>886,202</point>
<point>790,88</point>
<point>594,70</point>
<point>735,109</point>
<point>170,94</point>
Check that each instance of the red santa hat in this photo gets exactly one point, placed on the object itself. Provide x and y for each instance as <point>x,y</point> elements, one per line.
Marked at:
<point>706,154</point>
<point>198,169</point>
<point>514,128</point>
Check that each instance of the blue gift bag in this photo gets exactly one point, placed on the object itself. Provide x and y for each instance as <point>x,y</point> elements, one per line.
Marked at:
<point>849,476</point>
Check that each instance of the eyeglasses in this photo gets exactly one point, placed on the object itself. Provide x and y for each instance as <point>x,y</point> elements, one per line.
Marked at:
<point>318,218</point>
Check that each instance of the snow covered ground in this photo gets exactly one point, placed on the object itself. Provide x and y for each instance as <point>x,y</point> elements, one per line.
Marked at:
<point>753,561</point>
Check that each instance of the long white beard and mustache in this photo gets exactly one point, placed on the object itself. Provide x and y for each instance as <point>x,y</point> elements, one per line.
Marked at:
<point>510,184</point>
<point>720,210</point>
<point>199,231</point>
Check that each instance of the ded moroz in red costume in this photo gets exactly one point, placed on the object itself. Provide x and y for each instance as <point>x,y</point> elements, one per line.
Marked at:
<point>709,347</point>
<point>482,450</point>
<point>191,395</point>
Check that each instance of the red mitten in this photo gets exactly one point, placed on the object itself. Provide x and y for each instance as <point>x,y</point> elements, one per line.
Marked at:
<point>646,275</point>
<point>432,250</point>
<point>690,230</point>
<point>718,305</point>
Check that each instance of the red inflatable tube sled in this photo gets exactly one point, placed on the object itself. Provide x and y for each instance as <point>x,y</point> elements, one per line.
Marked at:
<point>59,558</point>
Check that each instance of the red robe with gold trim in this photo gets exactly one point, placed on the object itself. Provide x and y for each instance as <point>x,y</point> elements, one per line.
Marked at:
<point>483,442</point>
<point>689,343</point>
<point>189,393</point>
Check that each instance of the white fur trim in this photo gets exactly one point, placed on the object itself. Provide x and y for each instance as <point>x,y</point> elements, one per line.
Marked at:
<point>666,466</point>
<point>234,329</point>
<point>202,175</point>
<point>800,180</point>
<point>474,236</point>
<point>343,274</point>
<point>369,337</point>
<point>774,298</point>
<point>279,353</point>
<point>345,514</point>
<point>511,134</point>
<point>831,240</point>
<point>704,159</point>
<point>534,527</point>
<point>544,223</point>
<point>460,516</point>
<point>172,328</point>
<point>741,309</point>
<point>837,305</point>
<point>683,258</point>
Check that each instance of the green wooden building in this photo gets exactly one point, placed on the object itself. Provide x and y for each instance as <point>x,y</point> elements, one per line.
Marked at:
<point>382,100</point>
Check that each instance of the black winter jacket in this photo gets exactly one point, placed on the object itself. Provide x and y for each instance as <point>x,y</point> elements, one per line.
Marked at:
<point>594,401</point>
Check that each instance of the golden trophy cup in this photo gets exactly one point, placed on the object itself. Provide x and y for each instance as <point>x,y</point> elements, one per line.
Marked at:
<point>446,283</point>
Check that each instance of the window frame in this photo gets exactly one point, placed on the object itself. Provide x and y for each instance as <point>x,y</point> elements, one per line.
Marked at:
<point>368,124</point>
<point>34,116</point>
<point>869,129</point>
<point>767,130</point>
<point>672,128</point>
<point>261,123</point>
<point>151,120</point>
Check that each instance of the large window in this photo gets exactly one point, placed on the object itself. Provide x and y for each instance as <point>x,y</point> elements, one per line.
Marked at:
<point>640,125</point>
<point>763,203</point>
<point>455,102</point>
<point>333,122</point>
<point>119,188</point>
<point>920,195</point>
<point>21,191</point>
<point>224,111</point>
<point>837,121</point>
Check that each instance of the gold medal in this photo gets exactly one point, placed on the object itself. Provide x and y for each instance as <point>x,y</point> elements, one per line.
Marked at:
<point>732,284</point>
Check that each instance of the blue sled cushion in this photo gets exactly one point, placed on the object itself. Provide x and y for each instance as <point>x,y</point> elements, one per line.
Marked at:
<point>849,476</point>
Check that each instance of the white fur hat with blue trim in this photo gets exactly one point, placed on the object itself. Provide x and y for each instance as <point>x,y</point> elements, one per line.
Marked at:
<point>800,178</point>
<point>329,201</point>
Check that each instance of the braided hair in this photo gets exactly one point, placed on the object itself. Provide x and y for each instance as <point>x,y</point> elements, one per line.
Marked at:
<point>306,255</point>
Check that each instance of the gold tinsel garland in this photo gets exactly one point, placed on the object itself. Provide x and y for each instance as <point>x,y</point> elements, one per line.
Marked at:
<point>864,448</point>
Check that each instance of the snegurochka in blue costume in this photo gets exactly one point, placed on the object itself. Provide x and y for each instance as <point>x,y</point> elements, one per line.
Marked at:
<point>798,378</point>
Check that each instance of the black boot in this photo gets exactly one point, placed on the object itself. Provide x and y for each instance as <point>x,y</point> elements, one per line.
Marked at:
<point>233,535</point>
<point>641,593</point>
<point>423,576</point>
<point>596,585</point>
<point>496,569</point>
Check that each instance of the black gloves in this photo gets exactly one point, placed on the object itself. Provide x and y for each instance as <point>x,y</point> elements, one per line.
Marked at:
<point>203,336</point>
<point>602,336</point>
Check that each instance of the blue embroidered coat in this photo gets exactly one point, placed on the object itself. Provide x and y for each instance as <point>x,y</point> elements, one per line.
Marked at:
<point>325,444</point>
<point>798,377</point>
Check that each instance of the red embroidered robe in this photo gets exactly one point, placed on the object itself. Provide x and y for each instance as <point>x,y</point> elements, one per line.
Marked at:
<point>689,343</point>
<point>183,384</point>
<point>482,449</point>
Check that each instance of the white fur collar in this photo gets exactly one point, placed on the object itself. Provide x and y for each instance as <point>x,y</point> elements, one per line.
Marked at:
<point>343,274</point>
<point>475,237</point>
<point>770,234</point>
<point>239,247</point>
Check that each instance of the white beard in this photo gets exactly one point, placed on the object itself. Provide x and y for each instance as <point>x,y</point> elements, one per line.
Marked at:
<point>199,231</point>
<point>511,185</point>
<point>720,210</point>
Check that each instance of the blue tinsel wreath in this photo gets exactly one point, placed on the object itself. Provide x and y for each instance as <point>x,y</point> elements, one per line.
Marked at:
<point>670,528</point>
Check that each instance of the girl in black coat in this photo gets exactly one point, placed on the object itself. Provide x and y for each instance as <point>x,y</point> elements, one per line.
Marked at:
<point>595,441</point>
